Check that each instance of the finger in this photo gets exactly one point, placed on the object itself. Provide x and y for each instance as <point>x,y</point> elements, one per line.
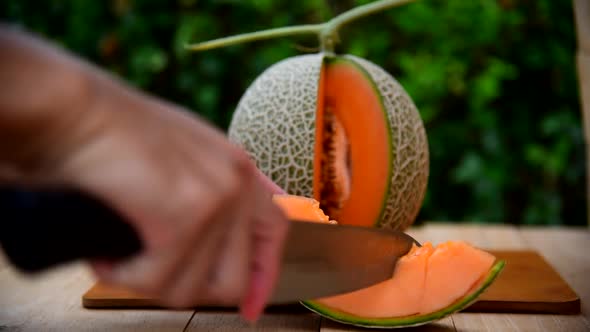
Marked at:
<point>146,273</point>
<point>195,282</point>
<point>151,271</point>
<point>230,277</point>
<point>186,288</point>
<point>268,235</point>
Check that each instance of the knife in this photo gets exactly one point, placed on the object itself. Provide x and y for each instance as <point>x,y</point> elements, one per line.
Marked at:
<point>41,229</point>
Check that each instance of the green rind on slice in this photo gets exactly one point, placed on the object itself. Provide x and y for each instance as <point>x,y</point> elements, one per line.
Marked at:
<point>408,321</point>
<point>340,60</point>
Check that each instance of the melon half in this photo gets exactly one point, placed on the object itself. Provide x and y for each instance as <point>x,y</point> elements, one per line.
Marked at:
<point>341,130</point>
<point>429,282</point>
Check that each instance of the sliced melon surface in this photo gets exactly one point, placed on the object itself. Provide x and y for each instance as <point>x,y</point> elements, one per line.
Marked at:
<point>380,299</point>
<point>427,280</point>
<point>411,320</point>
<point>300,208</point>
<point>353,145</point>
<point>453,268</point>
<point>428,284</point>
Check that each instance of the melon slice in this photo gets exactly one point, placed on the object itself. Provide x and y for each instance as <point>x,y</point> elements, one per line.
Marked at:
<point>341,130</point>
<point>429,283</point>
<point>301,208</point>
<point>403,301</point>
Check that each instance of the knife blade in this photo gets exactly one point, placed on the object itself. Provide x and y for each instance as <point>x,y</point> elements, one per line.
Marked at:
<point>318,259</point>
<point>323,259</point>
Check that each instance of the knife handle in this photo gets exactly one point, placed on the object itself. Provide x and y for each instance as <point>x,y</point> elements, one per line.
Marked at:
<point>41,229</point>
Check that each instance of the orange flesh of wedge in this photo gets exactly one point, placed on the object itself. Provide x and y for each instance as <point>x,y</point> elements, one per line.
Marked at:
<point>401,295</point>
<point>453,268</point>
<point>301,208</point>
<point>426,280</point>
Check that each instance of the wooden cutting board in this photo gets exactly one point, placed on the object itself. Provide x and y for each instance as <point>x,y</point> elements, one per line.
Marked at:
<point>528,284</point>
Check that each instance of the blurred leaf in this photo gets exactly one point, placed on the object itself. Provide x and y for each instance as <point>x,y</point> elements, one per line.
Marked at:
<point>469,169</point>
<point>494,81</point>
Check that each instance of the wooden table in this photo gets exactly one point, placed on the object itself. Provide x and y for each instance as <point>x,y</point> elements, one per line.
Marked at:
<point>52,301</point>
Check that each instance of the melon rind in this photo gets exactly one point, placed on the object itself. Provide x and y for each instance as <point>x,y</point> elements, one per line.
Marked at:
<point>409,321</point>
<point>275,123</point>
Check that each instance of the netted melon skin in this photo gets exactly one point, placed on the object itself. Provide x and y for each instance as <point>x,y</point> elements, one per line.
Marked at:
<point>275,123</point>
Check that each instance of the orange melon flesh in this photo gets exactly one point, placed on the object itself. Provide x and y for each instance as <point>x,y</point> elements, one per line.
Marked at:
<point>452,270</point>
<point>352,97</point>
<point>401,295</point>
<point>301,208</point>
<point>426,280</point>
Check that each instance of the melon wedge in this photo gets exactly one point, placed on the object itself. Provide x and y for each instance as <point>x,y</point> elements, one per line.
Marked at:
<point>402,301</point>
<point>428,284</point>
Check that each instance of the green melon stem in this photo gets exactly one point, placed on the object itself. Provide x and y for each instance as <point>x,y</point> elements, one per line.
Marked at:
<point>327,32</point>
<point>254,36</point>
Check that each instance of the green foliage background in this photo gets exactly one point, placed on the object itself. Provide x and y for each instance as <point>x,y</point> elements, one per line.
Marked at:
<point>495,82</point>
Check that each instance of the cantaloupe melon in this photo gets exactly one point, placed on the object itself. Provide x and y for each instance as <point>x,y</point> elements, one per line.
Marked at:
<point>341,130</point>
<point>335,127</point>
<point>428,284</point>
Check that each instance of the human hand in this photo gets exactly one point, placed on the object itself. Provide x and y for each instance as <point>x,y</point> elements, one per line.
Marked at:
<point>204,213</point>
<point>210,231</point>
